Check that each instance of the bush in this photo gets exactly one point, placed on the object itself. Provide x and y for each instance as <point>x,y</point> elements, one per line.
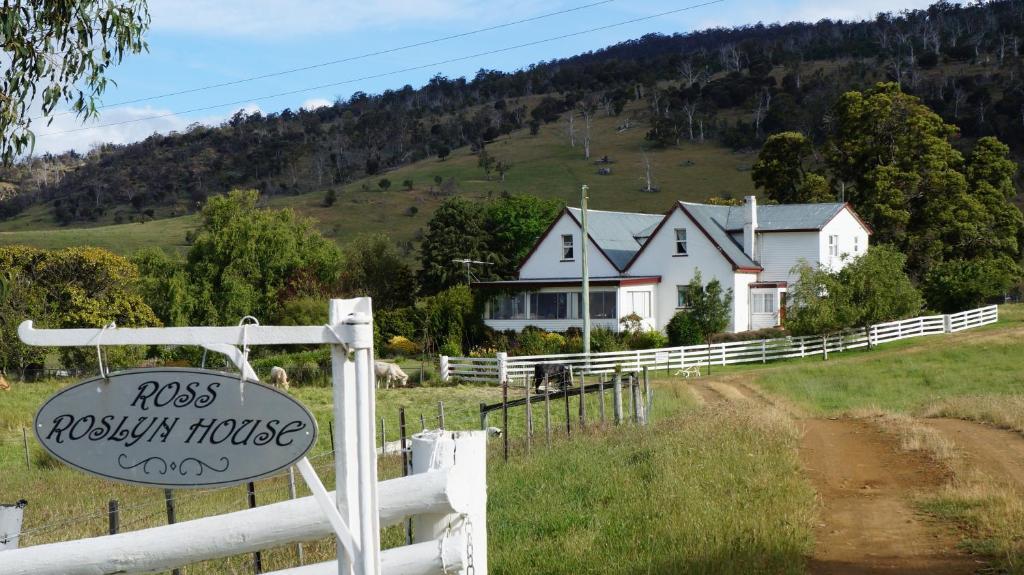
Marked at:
<point>401,345</point>
<point>683,330</point>
<point>646,340</point>
<point>535,341</point>
<point>602,339</point>
<point>451,346</point>
<point>391,323</point>
<point>752,335</point>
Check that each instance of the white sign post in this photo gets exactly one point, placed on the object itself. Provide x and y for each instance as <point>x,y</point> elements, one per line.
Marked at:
<point>349,333</point>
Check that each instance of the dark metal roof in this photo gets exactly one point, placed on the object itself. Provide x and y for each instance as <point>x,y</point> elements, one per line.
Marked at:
<point>618,234</point>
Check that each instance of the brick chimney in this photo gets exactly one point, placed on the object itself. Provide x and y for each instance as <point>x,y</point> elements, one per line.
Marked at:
<point>750,227</point>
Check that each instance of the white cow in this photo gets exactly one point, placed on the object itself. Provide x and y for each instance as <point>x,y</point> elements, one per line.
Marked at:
<point>389,373</point>
<point>279,377</point>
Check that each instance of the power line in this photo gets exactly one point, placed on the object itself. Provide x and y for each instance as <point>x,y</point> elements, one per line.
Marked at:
<point>342,60</point>
<point>385,74</point>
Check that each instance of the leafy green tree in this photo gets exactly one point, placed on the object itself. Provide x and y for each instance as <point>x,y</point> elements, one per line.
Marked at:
<point>957,284</point>
<point>447,319</point>
<point>384,184</point>
<point>18,302</point>
<point>710,308</point>
<point>408,184</point>
<point>373,267</point>
<point>443,152</point>
<point>514,224</point>
<point>879,288</point>
<point>247,261</point>
<point>72,288</point>
<point>782,171</point>
<point>165,284</point>
<point>330,197</point>
<point>59,52</point>
<point>819,303</point>
<point>455,231</point>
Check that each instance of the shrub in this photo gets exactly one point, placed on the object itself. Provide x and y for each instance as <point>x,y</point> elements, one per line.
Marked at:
<point>451,346</point>
<point>401,345</point>
<point>682,330</point>
<point>752,335</point>
<point>535,341</point>
<point>603,339</point>
<point>646,339</point>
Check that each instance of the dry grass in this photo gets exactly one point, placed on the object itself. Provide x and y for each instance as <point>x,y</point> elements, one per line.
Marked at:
<point>990,512</point>
<point>1006,412</point>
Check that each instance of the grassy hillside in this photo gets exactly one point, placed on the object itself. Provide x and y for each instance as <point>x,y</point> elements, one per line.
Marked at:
<point>544,165</point>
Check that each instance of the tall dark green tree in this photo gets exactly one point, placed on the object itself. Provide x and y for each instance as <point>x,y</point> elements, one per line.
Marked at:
<point>373,267</point>
<point>456,231</point>
<point>783,171</point>
<point>515,224</point>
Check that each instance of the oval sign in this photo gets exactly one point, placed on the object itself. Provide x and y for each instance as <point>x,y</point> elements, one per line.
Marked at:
<point>175,428</point>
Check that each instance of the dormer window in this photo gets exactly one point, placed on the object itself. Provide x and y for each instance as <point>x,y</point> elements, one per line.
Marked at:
<point>567,252</point>
<point>680,241</point>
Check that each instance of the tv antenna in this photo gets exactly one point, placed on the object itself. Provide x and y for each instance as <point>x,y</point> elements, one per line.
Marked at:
<point>468,265</point>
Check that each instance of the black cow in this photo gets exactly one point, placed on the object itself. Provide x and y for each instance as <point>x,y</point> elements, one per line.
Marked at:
<point>552,375</point>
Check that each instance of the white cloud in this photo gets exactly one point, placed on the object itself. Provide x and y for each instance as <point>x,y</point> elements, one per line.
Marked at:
<point>314,103</point>
<point>121,125</point>
<point>276,18</point>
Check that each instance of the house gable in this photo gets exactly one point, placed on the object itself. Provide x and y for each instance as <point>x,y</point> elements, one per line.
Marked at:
<point>545,259</point>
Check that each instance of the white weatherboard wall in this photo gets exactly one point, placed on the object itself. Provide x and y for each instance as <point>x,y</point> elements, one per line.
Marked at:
<point>546,261</point>
<point>741,300</point>
<point>846,226</point>
<point>658,259</point>
<point>780,251</point>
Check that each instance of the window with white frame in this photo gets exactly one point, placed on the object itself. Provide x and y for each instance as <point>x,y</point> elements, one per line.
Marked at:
<point>508,306</point>
<point>833,245</point>
<point>683,297</point>
<point>641,303</point>
<point>567,252</point>
<point>680,241</point>
<point>762,302</point>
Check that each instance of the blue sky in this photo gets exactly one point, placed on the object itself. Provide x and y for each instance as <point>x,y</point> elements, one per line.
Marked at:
<point>194,43</point>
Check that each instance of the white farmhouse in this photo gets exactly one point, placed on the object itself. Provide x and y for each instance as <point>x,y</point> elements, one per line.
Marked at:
<point>642,263</point>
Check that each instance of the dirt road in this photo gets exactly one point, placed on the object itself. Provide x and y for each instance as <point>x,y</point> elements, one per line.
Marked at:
<point>865,485</point>
<point>997,453</point>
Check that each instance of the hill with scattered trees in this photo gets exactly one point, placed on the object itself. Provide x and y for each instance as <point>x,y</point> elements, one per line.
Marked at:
<point>732,87</point>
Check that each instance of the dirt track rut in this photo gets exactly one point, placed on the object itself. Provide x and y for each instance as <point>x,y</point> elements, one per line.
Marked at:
<point>865,485</point>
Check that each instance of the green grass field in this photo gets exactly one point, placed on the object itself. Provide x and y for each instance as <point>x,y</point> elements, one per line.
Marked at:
<point>543,165</point>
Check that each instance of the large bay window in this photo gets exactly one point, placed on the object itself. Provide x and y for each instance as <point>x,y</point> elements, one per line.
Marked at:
<point>763,303</point>
<point>549,305</point>
<point>508,306</point>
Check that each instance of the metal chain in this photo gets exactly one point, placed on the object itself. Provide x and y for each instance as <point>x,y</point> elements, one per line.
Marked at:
<point>470,567</point>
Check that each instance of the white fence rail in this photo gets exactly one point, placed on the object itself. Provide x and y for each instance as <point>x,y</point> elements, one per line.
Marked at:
<point>519,369</point>
<point>443,490</point>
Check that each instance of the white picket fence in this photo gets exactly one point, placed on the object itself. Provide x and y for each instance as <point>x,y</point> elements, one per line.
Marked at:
<point>518,370</point>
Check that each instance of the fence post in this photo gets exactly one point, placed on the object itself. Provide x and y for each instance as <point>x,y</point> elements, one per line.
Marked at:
<point>600,392</point>
<point>502,366</point>
<point>583,401</point>
<point>257,557</point>
<point>722,347</point>
<point>802,353</point>
<point>24,442</point>
<point>764,350</point>
<point>444,368</point>
<point>646,396</point>
<point>383,439</point>
<point>947,324</point>
<point>171,515</point>
<point>529,419</point>
<point>824,347</point>
<point>484,416</point>
<point>11,518</point>
<point>568,414</point>
<point>440,414</point>
<point>635,399</point>
<point>682,358</point>
<point>113,517</point>
<point>436,450</point>
<point>547,416</point>
<point>504,416</point>
<point>330,428</point>
<point>405,466</point>
<point>423,423</point>
<point>617,397</point>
